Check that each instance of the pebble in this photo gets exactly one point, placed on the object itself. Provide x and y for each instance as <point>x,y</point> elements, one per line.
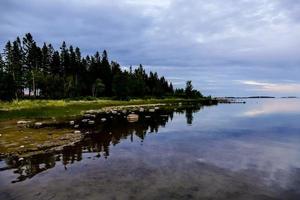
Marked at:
<point>72,122</point>
<point>103,119</point>
<point>20,159</point>
<point>76,126</point>
<point>142,109</point>
<point>22,146</point>
<point>151,110</point>
<point>77,132</point>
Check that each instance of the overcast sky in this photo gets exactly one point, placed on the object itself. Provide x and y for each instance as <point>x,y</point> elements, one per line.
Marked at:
<point>227,48</point>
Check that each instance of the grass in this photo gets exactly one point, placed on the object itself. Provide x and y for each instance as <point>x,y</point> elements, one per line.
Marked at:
<point>28,109</point>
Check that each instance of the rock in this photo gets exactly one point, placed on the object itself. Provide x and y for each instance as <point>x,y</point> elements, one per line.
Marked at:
<point>103,119</point>
<point>110,133</point>
<point>132,118</point>
<point>93,116</point>
<point>87,115</point>
<point>38,124</point>
<point>142,110</point>
<point>151,110</point>
<point>23,122</point>
<point>77,132</point>
<point>124,111</point>
<point>91,122</point>
<point>156,108</point>
<point>147,117</point>
<point>72,122</point>
<point>114,112</point>
<point>85,120</point>
<point>21,159</point>
<point>76,126</point>
<point>0,135</point>
<point>22,146</point>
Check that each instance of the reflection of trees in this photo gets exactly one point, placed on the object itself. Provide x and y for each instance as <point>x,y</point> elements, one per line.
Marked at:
<point>99,140</point>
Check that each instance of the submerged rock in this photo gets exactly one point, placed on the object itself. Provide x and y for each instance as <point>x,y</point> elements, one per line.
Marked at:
<point>132,118</point>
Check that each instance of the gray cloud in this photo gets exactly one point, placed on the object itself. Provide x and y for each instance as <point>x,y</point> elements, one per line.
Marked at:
<point>223,40</point>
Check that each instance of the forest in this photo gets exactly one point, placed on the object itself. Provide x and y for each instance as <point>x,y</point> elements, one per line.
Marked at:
<point>28,71</point>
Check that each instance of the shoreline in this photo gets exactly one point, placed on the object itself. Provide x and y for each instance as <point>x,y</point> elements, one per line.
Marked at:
<point>49,135</point>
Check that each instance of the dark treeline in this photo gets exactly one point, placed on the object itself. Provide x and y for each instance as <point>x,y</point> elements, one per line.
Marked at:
<point>30,71</point>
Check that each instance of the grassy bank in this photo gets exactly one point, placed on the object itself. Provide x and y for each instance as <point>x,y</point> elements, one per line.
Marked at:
<point>27,109</point>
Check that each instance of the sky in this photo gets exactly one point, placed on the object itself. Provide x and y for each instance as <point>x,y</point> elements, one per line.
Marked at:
<point>227,48</point>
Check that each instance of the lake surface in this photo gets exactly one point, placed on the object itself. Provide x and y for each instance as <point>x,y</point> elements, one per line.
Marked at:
<point>228,151</point>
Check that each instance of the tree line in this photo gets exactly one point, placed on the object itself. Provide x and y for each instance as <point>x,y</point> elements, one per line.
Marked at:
<point>30,71</point>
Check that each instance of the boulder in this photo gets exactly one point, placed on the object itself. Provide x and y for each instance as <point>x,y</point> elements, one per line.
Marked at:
<point>38,124</point>
<point>132,118</point>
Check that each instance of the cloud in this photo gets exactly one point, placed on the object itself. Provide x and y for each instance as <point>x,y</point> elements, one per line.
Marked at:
<point>274,87</point>
<point>200,40</point>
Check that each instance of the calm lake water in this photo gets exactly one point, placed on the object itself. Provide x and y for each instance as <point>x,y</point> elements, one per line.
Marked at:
<point>228,151</point>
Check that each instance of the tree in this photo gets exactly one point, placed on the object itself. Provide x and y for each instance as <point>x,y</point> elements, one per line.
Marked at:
<point>48,73</point>
<point>120,87</point>
<point>98,88</point>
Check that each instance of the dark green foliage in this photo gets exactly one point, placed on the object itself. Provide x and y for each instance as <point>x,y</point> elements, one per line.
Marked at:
<point>30,71</point>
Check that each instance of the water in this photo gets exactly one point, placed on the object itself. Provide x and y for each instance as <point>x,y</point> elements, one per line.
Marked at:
<point>229,151</point>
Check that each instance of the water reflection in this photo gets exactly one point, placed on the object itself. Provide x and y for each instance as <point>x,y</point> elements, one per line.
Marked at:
<point>98,139</point>
<point>267,107</point>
